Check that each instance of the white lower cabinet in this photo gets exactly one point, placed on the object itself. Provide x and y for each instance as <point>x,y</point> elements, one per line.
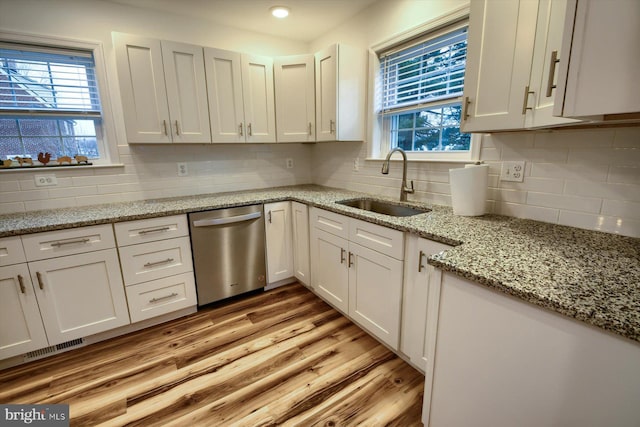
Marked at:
<point>157,266</point>
<point>420,299</point>
<point>279,243</point>
<point>360,279</point>
<point>300,223</point>
<point>21,328</point>
<point>80,295</point>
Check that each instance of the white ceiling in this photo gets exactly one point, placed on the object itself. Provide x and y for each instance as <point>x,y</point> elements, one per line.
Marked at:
<point>308,19</point>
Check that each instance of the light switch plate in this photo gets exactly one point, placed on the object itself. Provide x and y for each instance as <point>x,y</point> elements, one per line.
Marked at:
<point>512,171</point>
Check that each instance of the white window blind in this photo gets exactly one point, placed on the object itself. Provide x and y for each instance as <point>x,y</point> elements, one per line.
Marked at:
<point>47,81</point>
<point>423,73</point>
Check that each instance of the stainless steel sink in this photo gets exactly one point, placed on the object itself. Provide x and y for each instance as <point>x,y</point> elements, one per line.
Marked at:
<point>381,207</point>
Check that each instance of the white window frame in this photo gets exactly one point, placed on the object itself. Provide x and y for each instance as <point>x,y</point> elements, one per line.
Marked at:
<point>377,134</point>
<point>107,145</point>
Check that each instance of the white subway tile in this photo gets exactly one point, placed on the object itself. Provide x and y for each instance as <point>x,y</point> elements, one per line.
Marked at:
<point>624,174</point>
<point>542,185</point>
<point>607,224</point>
<point>504,195</point>
<point>620,208</point>
<point>528,212</point>
<point>563,201</point>
<point>578,139</point>
<point>603,190</point>
<point>614,156</point>
<point>556,155</point>
<point>627,138</point>
<point>13,207</point>
<point>569,171</point>
<point>23,196</point>
<point>36,205</point>
<point>7,186</point>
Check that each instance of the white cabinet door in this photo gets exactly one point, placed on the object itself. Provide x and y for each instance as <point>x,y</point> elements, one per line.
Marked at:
<point>499,56</point>
<point>259,101</point>
<point>142,88</point>
<point>326,93</point>
<point>300,222</point>
<point>224,91</point>
<point>375,293</point>
<point>330,268</point>
<point>599,76</point>
<point>420,298</point>
<point>279,241</point>
<point>295,98</point>
<point>21,328</point>
<point>186,92</point>
<point>80,295</point>
<point>547,53</point>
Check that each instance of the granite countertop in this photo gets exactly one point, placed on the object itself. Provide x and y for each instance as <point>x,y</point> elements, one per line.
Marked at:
<point>588,275</point>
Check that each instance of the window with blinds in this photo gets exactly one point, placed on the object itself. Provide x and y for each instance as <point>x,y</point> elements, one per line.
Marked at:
<point>49,102</point>
<point>422,86</point>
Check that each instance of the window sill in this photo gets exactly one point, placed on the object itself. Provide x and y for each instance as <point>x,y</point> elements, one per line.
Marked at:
<point>410,160</point>
<point>59,168</point>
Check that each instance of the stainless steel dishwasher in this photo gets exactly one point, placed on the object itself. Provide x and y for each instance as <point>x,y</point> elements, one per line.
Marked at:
<point>228,251</point>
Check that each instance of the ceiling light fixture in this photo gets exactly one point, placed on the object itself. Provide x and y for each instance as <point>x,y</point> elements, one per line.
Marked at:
<point>280,11</point>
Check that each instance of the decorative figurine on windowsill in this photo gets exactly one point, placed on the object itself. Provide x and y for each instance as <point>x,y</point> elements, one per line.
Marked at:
<point>63,159</point>
<point>7,163</point>
<point>24,160</point>
<point>81,159</point>
<point>44,158</point>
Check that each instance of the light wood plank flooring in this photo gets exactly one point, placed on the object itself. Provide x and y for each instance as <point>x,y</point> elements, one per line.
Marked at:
<point>282,357</point>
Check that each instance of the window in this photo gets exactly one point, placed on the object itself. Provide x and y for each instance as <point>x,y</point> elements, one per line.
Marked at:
<point>420,102</point>
<point>49,102</point>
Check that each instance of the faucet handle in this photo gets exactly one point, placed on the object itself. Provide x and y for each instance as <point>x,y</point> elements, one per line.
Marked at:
<point>410,189</point>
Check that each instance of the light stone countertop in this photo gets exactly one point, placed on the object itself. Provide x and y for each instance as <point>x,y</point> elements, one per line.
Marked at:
<point>587,275</point>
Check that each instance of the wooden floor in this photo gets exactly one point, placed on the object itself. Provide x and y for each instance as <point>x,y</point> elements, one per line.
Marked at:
<point>282,357</point>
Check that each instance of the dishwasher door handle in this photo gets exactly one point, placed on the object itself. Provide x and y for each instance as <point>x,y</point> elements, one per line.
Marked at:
<point>228,220</point>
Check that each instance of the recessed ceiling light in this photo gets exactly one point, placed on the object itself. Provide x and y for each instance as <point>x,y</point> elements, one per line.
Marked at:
<point>280,11</point>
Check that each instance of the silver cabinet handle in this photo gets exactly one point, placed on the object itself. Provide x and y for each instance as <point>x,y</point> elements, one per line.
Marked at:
<point>164,127</point>
<point>70,242</point>
<point>154,230</point>
<point>465,109</point>
<point>552,72</point>
<point>164,261</point>
<point>40,283</point>
<point>270,217</point>
<point>527,92</point>
<point>171,295</point>
<point>350,259</point>
<point>240,131</point>
<point>177,129</point>
<point>342,258</point>
<point>228,220</point>
<point>420,266</point>
<point>310,129</point>
<point>249,131</point>
<point>21,283</point>
<point>332,128</point>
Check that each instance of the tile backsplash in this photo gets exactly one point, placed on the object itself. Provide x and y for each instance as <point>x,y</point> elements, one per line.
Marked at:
<point>583,178</point>
<point>150,171</point>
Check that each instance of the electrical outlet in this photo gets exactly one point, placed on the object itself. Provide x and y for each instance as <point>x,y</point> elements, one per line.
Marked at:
<point>512,171</point>
<point>45,180</point>
<point>289,163</point>
<point>356,164</point>
<point>183,170</point>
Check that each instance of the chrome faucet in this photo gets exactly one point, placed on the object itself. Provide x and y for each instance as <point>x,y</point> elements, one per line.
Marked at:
<point>404,189</point>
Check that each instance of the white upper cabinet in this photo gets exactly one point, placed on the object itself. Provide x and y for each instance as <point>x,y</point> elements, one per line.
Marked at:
<point>499,56</point>
<point>224,88</point>
<point>241,96</point>
<point>599,79</point>
<point>259,102</point>
<point>340,93</point>
<point>547,54</point>
<point>511,64</point>
<point>295,98</point>
<point>163,87</point>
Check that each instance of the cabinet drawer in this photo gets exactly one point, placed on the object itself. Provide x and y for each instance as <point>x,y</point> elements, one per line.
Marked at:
<point>53,244</point>
<point>381,239</point>
<point>161,296</point>
<point>150,261</point>
<point>151,230</point>
<point>330,222</point>
<point>11,251</point>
